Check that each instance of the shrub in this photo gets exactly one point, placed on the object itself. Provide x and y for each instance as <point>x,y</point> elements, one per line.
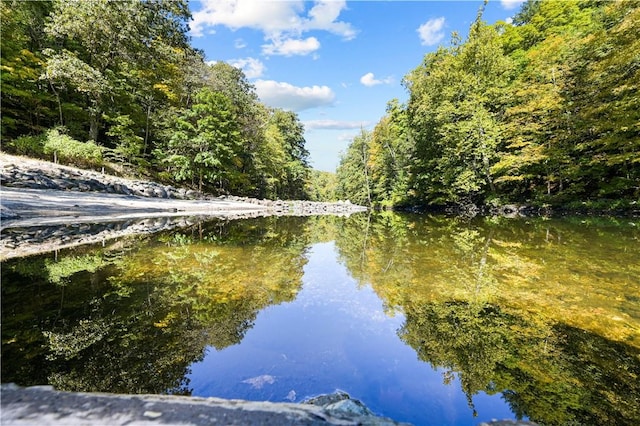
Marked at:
<point>68,150</point>
<point>32,146</point>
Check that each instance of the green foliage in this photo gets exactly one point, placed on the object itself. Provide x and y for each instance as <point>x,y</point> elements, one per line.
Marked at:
<point>123,75</point>
<point>58,271</point>
<point>322,186</point>
<point>391,151</point>
<point>206,144</point>
<point>32,146</point>
<point>457,98</point>
<point>129,147</point>
<point>26,103</point>
<point>67,150</point>
<point>354,171</point>
<point>543,110</point>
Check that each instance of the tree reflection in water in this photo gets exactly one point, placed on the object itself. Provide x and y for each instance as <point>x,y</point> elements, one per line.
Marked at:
<point>544,312</point>
<point>131,317</point>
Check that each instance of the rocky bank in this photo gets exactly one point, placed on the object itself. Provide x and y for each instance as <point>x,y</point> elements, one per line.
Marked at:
<point>45,207</point>
<point>40,405</point>
<point>26,173</point>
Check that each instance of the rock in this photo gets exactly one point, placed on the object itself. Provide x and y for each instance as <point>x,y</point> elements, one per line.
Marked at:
<point>6,213</point>
<point>160,192</point>
<point>148,192</point>
<point>43,405</point>
<point>348,408</point>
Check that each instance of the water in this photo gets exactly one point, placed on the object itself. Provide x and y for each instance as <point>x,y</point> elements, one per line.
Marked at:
<point>430,320</point>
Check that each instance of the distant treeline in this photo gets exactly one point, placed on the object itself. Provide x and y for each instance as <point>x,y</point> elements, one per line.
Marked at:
<point>541,110</point>
<point>95,82</point>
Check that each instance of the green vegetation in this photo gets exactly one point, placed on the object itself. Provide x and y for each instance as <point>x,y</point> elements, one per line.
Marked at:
<point>123,76</point>
<point>544,110</point>
<point>543,311</point>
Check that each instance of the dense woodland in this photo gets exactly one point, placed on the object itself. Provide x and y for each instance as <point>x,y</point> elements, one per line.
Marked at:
<point>118,83</point>
<point>543,110</point>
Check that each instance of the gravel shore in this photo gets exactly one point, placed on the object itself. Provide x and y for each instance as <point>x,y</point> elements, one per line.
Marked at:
<point>43,204</point>
<point>41,190</point>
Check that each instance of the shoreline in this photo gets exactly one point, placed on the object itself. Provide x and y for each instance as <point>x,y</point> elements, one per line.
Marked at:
<point>39,207</point>
<point>45,205</point>
<point>38,405</point>
<point>34,188</point>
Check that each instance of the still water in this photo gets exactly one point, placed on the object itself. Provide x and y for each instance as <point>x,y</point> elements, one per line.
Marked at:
<point>426,319</point>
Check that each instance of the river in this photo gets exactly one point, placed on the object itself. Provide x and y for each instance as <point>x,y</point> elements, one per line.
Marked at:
<point>431,320</point>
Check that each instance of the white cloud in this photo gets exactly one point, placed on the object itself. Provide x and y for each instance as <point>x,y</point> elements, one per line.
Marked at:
<point>252,67</point>
<point>262,15</point>
<point>431,32</point>
<point>334,124</point>
<point>290,47</point>
<point>239,43</point>
<point>370,80</point>
<point>287,96</point>
<point>274,18</point>
<point>324,15</point>
<point>511,4</point>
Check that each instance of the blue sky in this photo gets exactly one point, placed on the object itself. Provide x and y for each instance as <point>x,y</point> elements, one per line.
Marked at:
<point>335,63</point>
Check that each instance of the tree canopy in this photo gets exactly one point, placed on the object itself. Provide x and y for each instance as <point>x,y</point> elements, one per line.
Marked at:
<point>542,110</point>
<point>123,75</point>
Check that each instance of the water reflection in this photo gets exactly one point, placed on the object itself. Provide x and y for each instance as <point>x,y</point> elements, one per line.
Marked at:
<point>132,316</point>
<point>426,319</point>
<point>545,312</point>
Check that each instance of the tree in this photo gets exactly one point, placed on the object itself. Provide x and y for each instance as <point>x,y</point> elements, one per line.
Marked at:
<point>26,103</point>
<point>606,106</point>
<point>321,186</point>
<point>536,163</point>
<point>296,168</point>
<point>354,173</point>
<point>102,43</point>
<point>391,154</point>
<point>457,97</point>
<point>206,145</point>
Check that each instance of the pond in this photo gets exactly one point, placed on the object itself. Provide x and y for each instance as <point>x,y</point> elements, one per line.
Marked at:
<point>431,320</point>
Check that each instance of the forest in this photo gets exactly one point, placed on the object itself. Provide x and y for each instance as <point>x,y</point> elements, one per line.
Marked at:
<point>117,83</point>
<point>543,110</point>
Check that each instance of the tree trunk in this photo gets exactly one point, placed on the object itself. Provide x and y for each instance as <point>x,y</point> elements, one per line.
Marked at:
<point>93,127</point>
<point>146,130</point>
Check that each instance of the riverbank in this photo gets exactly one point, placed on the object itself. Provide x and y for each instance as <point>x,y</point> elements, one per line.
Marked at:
<point>39,405</point>
<point>46,207</point>
<point>33,189</point>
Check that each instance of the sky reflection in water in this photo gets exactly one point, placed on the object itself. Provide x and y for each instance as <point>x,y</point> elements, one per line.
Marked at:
<point>335,335</point>
<point>423,318</point>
